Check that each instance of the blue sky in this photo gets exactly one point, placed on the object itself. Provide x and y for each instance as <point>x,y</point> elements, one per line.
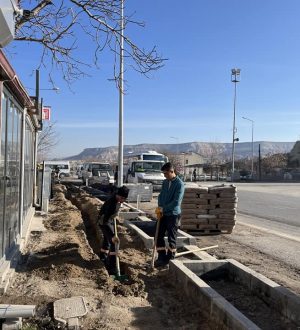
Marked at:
<point>191,97</point>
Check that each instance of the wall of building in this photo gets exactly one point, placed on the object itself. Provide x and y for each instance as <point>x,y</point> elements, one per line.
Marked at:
<point>17,161</point>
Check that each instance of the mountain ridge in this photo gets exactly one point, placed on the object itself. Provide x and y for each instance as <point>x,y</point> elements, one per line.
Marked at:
<point>206,149</point>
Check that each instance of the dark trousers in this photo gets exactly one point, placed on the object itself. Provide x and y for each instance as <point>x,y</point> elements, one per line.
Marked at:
<point>108,247</point>
<point>169,224</point>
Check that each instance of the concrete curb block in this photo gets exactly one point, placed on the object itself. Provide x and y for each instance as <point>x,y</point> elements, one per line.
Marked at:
<point>182,238</point>
<point>281,299</point>
<point>212,303</point>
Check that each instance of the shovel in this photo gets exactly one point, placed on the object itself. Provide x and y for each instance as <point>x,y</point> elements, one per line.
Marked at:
<point>118,275</point>
<point>158,215</point>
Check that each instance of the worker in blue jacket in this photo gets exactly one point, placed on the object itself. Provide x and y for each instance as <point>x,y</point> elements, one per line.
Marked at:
<point>169,201</point>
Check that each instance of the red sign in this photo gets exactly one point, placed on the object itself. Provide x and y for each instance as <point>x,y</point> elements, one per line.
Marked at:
<point>46,113</point>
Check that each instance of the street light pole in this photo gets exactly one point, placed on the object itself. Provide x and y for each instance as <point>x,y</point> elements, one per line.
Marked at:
<point>176,138</point>
<point>121,99</point>
<point>252,143</point>
<point>235,78</point>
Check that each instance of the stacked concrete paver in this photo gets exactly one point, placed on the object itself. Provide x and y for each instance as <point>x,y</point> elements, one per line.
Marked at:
<point>209,209</point>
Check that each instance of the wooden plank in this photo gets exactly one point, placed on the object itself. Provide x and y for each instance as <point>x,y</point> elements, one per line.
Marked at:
<point>200,232</point>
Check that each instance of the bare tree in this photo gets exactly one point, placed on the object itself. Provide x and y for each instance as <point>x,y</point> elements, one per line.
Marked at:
<point>60,27</point>
<point>48,138</point>
<point>214,152</point>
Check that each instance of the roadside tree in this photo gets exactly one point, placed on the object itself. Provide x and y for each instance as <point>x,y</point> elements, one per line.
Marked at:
<point>47,140</point>
<point>61,27</point>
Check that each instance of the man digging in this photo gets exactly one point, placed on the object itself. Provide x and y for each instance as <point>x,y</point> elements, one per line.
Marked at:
<point>108,212</point>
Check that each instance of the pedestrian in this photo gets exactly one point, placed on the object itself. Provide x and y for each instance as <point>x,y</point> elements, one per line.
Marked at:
<point>169,202</point>
<point>194,175</point>
<point>109,211</point>
<point>116,175</point>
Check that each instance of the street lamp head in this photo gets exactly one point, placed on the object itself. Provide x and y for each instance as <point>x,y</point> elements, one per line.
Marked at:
<point>252,121</point>
<point>55,89</point>
<point>235,75</point>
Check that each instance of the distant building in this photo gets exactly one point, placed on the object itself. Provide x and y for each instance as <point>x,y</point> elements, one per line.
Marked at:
<point>294,156</point>
<point>186,162</point>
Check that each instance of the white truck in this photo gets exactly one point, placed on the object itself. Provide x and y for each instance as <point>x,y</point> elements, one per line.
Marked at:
<point>145,171</point>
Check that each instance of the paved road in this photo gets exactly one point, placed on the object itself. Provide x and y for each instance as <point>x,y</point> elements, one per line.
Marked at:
<point>274,210</point>
<point>275,202</point>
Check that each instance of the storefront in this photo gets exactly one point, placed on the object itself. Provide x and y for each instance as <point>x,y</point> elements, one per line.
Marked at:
<point>18,125</point>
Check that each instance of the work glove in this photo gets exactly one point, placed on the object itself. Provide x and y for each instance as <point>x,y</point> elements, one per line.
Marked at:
<point>116,240</point>
<point>119,220</point>
<point>159,212</point>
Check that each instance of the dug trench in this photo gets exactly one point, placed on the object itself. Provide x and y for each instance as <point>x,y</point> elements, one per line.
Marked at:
<point>62,261</point>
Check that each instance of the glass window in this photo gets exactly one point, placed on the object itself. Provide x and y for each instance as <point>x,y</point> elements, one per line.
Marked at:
<point>28,169</point>
<point>2,169</point>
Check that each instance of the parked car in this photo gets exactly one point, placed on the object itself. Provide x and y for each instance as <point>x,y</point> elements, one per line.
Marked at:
<point>245,175</point>
<point>62,167</point>
<point>97,172</point>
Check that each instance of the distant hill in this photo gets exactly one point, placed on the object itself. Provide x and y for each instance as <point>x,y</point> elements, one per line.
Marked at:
<point>222,150</point>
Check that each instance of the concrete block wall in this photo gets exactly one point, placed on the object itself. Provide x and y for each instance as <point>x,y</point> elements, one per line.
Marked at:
<point>209,208</point>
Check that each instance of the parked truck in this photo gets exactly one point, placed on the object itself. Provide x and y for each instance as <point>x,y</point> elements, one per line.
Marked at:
<point>144,171</point>
<point>145,167</point>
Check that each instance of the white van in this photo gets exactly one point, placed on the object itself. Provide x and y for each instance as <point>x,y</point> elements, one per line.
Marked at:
<point>62,165</point>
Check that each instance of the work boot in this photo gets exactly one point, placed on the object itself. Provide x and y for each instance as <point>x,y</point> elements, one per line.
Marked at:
<point>104,257</point>
<point>170,256</point>
<point>161,261</point>
<point>111,265</point>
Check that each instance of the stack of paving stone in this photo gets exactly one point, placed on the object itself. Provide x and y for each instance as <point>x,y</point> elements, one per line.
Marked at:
<point>209,210</point>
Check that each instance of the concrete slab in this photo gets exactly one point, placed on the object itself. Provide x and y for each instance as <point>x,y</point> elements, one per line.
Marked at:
<point>69,308</point>
<point>12,324</point>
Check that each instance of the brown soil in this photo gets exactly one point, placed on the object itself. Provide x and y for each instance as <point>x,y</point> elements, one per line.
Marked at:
<point>60,263</point>
<point>63,262</point>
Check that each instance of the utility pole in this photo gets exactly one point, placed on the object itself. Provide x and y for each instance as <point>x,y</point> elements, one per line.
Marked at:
<point>235,78</point>
<point>121,98</point>
<point>259,163</point>
<point>252,143</point>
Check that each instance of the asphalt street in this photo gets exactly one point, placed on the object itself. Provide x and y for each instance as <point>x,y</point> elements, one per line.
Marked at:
<point>273,210</point>
<point>270,201</point>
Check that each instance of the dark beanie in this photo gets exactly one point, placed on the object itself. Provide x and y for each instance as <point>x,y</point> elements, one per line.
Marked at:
<point>123,191</point>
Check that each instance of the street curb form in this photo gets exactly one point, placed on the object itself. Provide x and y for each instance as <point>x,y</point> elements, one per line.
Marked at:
<point>182,238</point>
<point>218,309</point>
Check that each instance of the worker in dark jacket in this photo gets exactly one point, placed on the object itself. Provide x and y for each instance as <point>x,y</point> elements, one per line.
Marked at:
<point>169,201</point>
<point>107,214</point>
